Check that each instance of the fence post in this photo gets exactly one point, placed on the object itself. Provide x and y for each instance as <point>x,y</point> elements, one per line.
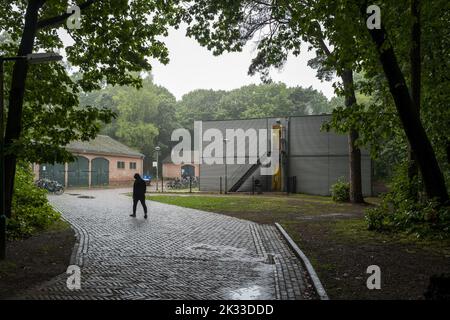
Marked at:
<point>190,184</point>
<point>220,185</point>
<point>294,184</point>
<point>162,184</point>
<point>253,185</point>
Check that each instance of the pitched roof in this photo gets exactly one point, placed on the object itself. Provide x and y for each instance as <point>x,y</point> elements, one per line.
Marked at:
<point>103,145</point>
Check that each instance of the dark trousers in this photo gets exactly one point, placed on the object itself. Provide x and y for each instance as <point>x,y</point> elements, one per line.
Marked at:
<point>135,202</point>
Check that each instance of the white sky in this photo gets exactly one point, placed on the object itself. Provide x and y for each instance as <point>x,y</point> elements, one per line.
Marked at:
<point>194,67</point>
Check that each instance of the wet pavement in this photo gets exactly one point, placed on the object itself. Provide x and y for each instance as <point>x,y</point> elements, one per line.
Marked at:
<point>177,253</point>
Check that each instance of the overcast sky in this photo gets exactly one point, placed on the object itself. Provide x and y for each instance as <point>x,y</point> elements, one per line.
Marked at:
<point>194,67</point>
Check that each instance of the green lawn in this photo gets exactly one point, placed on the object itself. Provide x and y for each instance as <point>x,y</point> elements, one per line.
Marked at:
<point>261,208</point>
<point>184,190</point>
<point>345,219</point>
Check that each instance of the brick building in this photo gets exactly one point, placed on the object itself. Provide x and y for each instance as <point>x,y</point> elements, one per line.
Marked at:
<point>102,161</point>
<point>171,170</point>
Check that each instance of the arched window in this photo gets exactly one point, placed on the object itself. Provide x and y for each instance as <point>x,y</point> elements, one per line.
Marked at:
<point>187,170</point>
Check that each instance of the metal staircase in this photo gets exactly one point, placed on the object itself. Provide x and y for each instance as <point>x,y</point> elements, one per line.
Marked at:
<point>245,176</point>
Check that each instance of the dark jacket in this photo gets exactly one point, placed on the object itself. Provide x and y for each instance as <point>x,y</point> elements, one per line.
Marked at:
<point>139,188</point>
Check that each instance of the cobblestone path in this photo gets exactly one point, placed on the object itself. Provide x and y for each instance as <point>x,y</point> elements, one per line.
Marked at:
<point>177,253</point>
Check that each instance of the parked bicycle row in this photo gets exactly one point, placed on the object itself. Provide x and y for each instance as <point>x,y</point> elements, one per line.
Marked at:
<point>50,185</point>
<point>183,183</point>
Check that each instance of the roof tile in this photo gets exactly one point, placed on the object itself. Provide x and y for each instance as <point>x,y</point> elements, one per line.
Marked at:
<point>102,144</point>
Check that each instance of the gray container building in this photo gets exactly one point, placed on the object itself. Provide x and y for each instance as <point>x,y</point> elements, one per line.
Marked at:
<point>311,160</point>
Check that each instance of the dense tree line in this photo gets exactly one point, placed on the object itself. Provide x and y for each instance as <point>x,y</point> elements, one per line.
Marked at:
<point>252,101</point>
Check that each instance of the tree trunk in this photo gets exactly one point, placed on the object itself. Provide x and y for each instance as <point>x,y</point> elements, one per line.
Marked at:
<point>14,121</point>
<point>420,144</point>
<point>448,151</point>
<point>416,73</point>
<point>356,195</point>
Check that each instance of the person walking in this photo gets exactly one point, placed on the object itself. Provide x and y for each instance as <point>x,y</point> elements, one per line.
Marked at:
<point>139,189</point>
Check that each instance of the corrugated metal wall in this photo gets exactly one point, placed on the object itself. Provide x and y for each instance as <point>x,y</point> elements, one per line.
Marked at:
<point>316,158</point>
<point>210,174</point>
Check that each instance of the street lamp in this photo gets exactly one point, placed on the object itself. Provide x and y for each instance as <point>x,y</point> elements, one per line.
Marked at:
<point>157,149</point>
<point>33,58</point>
<point>36,58</point>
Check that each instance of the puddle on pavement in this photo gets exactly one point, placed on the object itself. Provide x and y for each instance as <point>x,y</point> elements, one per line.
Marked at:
<point>229,253</point>
<point>86,197</point>
<point>250,293</point>
<point>222,252</point>
<point>260,269</point>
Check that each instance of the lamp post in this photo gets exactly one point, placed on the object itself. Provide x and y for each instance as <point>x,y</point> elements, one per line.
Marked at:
<point>226,168</point>
<point>157,149</point>
<point>33,58</point>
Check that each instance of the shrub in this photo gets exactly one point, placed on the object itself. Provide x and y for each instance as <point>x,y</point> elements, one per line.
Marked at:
<point>401,210</point>
<point>425,218</point>
<point>31,211</point>
<point>340,191</point>
<point>375,218</point>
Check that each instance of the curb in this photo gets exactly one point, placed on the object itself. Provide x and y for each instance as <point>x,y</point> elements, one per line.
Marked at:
<point>312,273</point>
<point>80,246</point>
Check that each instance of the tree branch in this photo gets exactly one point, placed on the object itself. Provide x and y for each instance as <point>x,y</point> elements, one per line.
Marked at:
<point>61,18</point>
<point>320,38</point>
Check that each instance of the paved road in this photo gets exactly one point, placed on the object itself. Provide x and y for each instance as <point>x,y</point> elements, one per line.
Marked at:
<point>177,253</point>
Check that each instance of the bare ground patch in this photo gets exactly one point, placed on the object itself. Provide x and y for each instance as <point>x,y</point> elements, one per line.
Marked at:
<point>36,259</point>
